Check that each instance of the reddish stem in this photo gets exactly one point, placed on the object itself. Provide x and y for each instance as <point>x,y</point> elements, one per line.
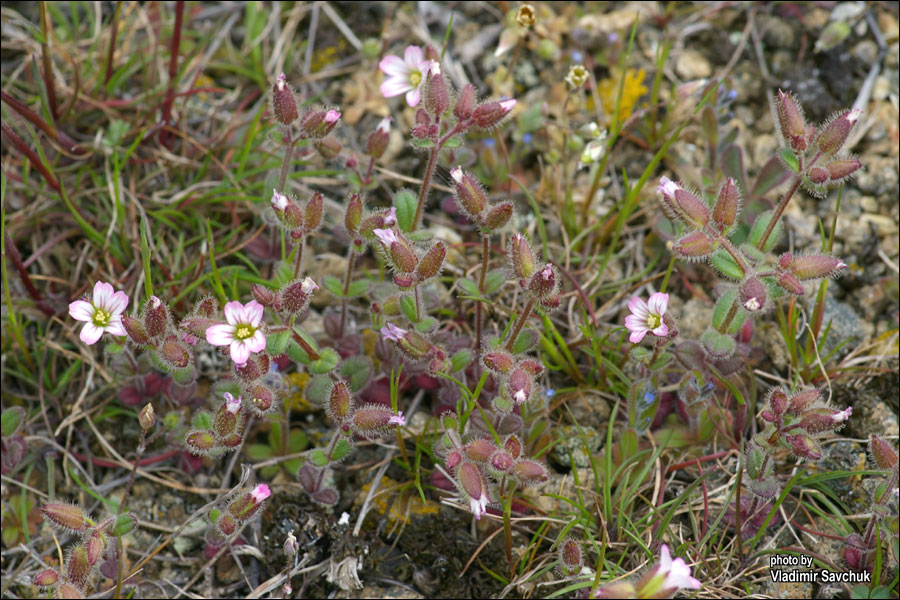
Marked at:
<point>67,143</point>
<point>13,253</point>
<point>173,71</point>
<point>47,73</point>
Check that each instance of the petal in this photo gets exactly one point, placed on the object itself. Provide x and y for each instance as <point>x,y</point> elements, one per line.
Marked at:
<point>638,307</point>
<point>661,331</point>
<point>257,343</point>
<point>233,312</point>
<point>220,335</point>
<point>102,293</point>
<point>239,352</point>
<point>116,327</point>
<point>665,559</point>
<point>658,303</point>
<point>635,323</point>
<point>637,336</point>
<point>393,66</point>
<point>394,87</point>
<point>412,97</point>
<point>90,333</point>
<point>118,303</point>
<point>81,310</point>
<point>254,313</point>
<point>412,56</point>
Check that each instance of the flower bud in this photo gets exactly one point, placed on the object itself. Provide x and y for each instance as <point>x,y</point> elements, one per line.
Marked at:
<point>135,330</point>
<point>530,472</point>
<point>532,367</point>
<point>147,417</point>
<point>317,124</point>
<point>501,461</point>
<point>292,217</point>
<point>174,353</point>
<point>465,103</point>
<point>513,446</point>
<point>498,361</point>
<point>521,257</point>
<point>414,345</point>
<point>67,517</point>
<point>372,420</point>
<point>839,170</point>
<point>340,402</point>
<point>328,148</point>
<point>155,317</point>
<point>226,525</point>
<point>804,446</point>
<point>836,132</point>
<point>728,203</point>
<point>753,294</point>
<point>430,264</point>
<point>46,578</point>
<point>78,567</point>
<point>791,121</point>
<point>694,245</point>
<point>291,545</point>
<point>778,401</point>
<point>473,485</point>
<point>261,399</point>
<point>469,194</point>
<point>816,266</point>
<point>821,420</point>
<point>480,450</point>
<point>284,105</point>
<point>803,400</point>
<point>543,283</point>
<point>570,557</point>
<point>378,141</point>
<point>497,217</point>
<point>353,213</point>
<point>882,453</point>
<point>520,386</point>
<point>263,295</point>
<point>525,16</point>
<point>246,505</point>
<point>490,114</point>
<point>818,175</point>
<point>312,216</point>
<point>296,295</point>
<point>577,77</point>
<point>437,98</point>
<point>789,283</point>
<point>199,442</point>
<point>681,204</point>
<point>402,256</point>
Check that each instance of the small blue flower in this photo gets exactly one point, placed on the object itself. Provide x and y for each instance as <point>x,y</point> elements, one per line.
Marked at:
<point>549,393</point>
<point>577,56</point>
<point>489,142</point>
<point>527,138</point>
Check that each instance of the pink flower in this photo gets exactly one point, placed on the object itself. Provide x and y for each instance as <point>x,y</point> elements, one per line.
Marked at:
<point>478,506</point>
<point>279,201</point>
<point>841,416</point>
<point>242,331</point>
<point>232,404</point>
<point>387,236</point>
<point>391,217</point>
<point>262,491</point>
<point>647,317</point>
<point>405,75</point>
<point>102,313</point>
<point>308,285</point>
<point>332,117</point>
<point>397,419</point>
<point>676,572</point>
<point>393,333</point>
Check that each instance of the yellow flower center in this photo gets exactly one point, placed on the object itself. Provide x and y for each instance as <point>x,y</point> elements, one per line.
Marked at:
<point>101,317</point>
<point>415,78</point>
<point>653,321</point>
<point>243,332</point>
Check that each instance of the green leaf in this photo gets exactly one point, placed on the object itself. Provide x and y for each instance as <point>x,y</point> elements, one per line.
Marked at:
<point>296,353</point>
<point>357,370</point>
<point>341,450</point>
<point>759,228</point>
<point>11,420</point>
<point>725,264</point>
<point>421,143</point>
<point>460,360</point>
<point>663,359</point>
<point>494,280</point>
<point>202,420</point>
<point>297,441</point>
<point>453,142</point>
<point>640,353</point>
<point>723,306</point>
<point>259,451</point>
<point>328,360</point>
<point>408,306</point>
<point>124,524</point>
<point>469,287</point>
<point>422,235</point>
<point>317,389</point>
<point>333,285</point>
<point>318,458</point>
<point>718,345</point>
<point>358,288</point>
<point>789,159</point>
<point>405,202</point>
<point>277,342</point>
<point>426,324</point>
<point>526,340</point>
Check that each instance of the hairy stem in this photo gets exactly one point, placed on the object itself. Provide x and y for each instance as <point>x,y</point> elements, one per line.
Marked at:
<point>485,250</point>
<point>779,210</point>
<point>426,183</point>
<point>299,261</point>
<point>526,312</point>
<point>286,163</point>
<point>351,259</point>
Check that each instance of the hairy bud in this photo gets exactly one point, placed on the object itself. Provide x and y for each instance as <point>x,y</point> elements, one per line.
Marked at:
<point>816,266</point>
<point>465,103</point>
<point>490,114</point>
<point>284,105</point>
<point>521,256</point>
<point>791,121</point>
<point>497,217</point>
<point>469,194</point>
<point>727,206</point>
<point>378,141</point>
<point>836,132</point>
<point>430,264</point>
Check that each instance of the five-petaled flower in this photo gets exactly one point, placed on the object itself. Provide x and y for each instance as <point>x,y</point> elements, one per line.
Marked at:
<point>405,75</point>
<point>392,332</point>
<point>242,332</point>
<point>397,419</point>
<point>102,313</point>
<point>676,572</point>
<point>647,317</point>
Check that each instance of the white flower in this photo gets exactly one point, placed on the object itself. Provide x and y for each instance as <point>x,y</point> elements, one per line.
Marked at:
<point>279,200</point>
<point>392,332</point>
<point>676,572</point>
<point>387,236</point>
<point>390,218</point>
<point>843,415</point>
<point>405,75</point>
<point>102,313</point>
<point>232,404</point>
<point>308,285</point>
<point>242,332</point>
<point>397,419</point>
<point>478,506</point>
